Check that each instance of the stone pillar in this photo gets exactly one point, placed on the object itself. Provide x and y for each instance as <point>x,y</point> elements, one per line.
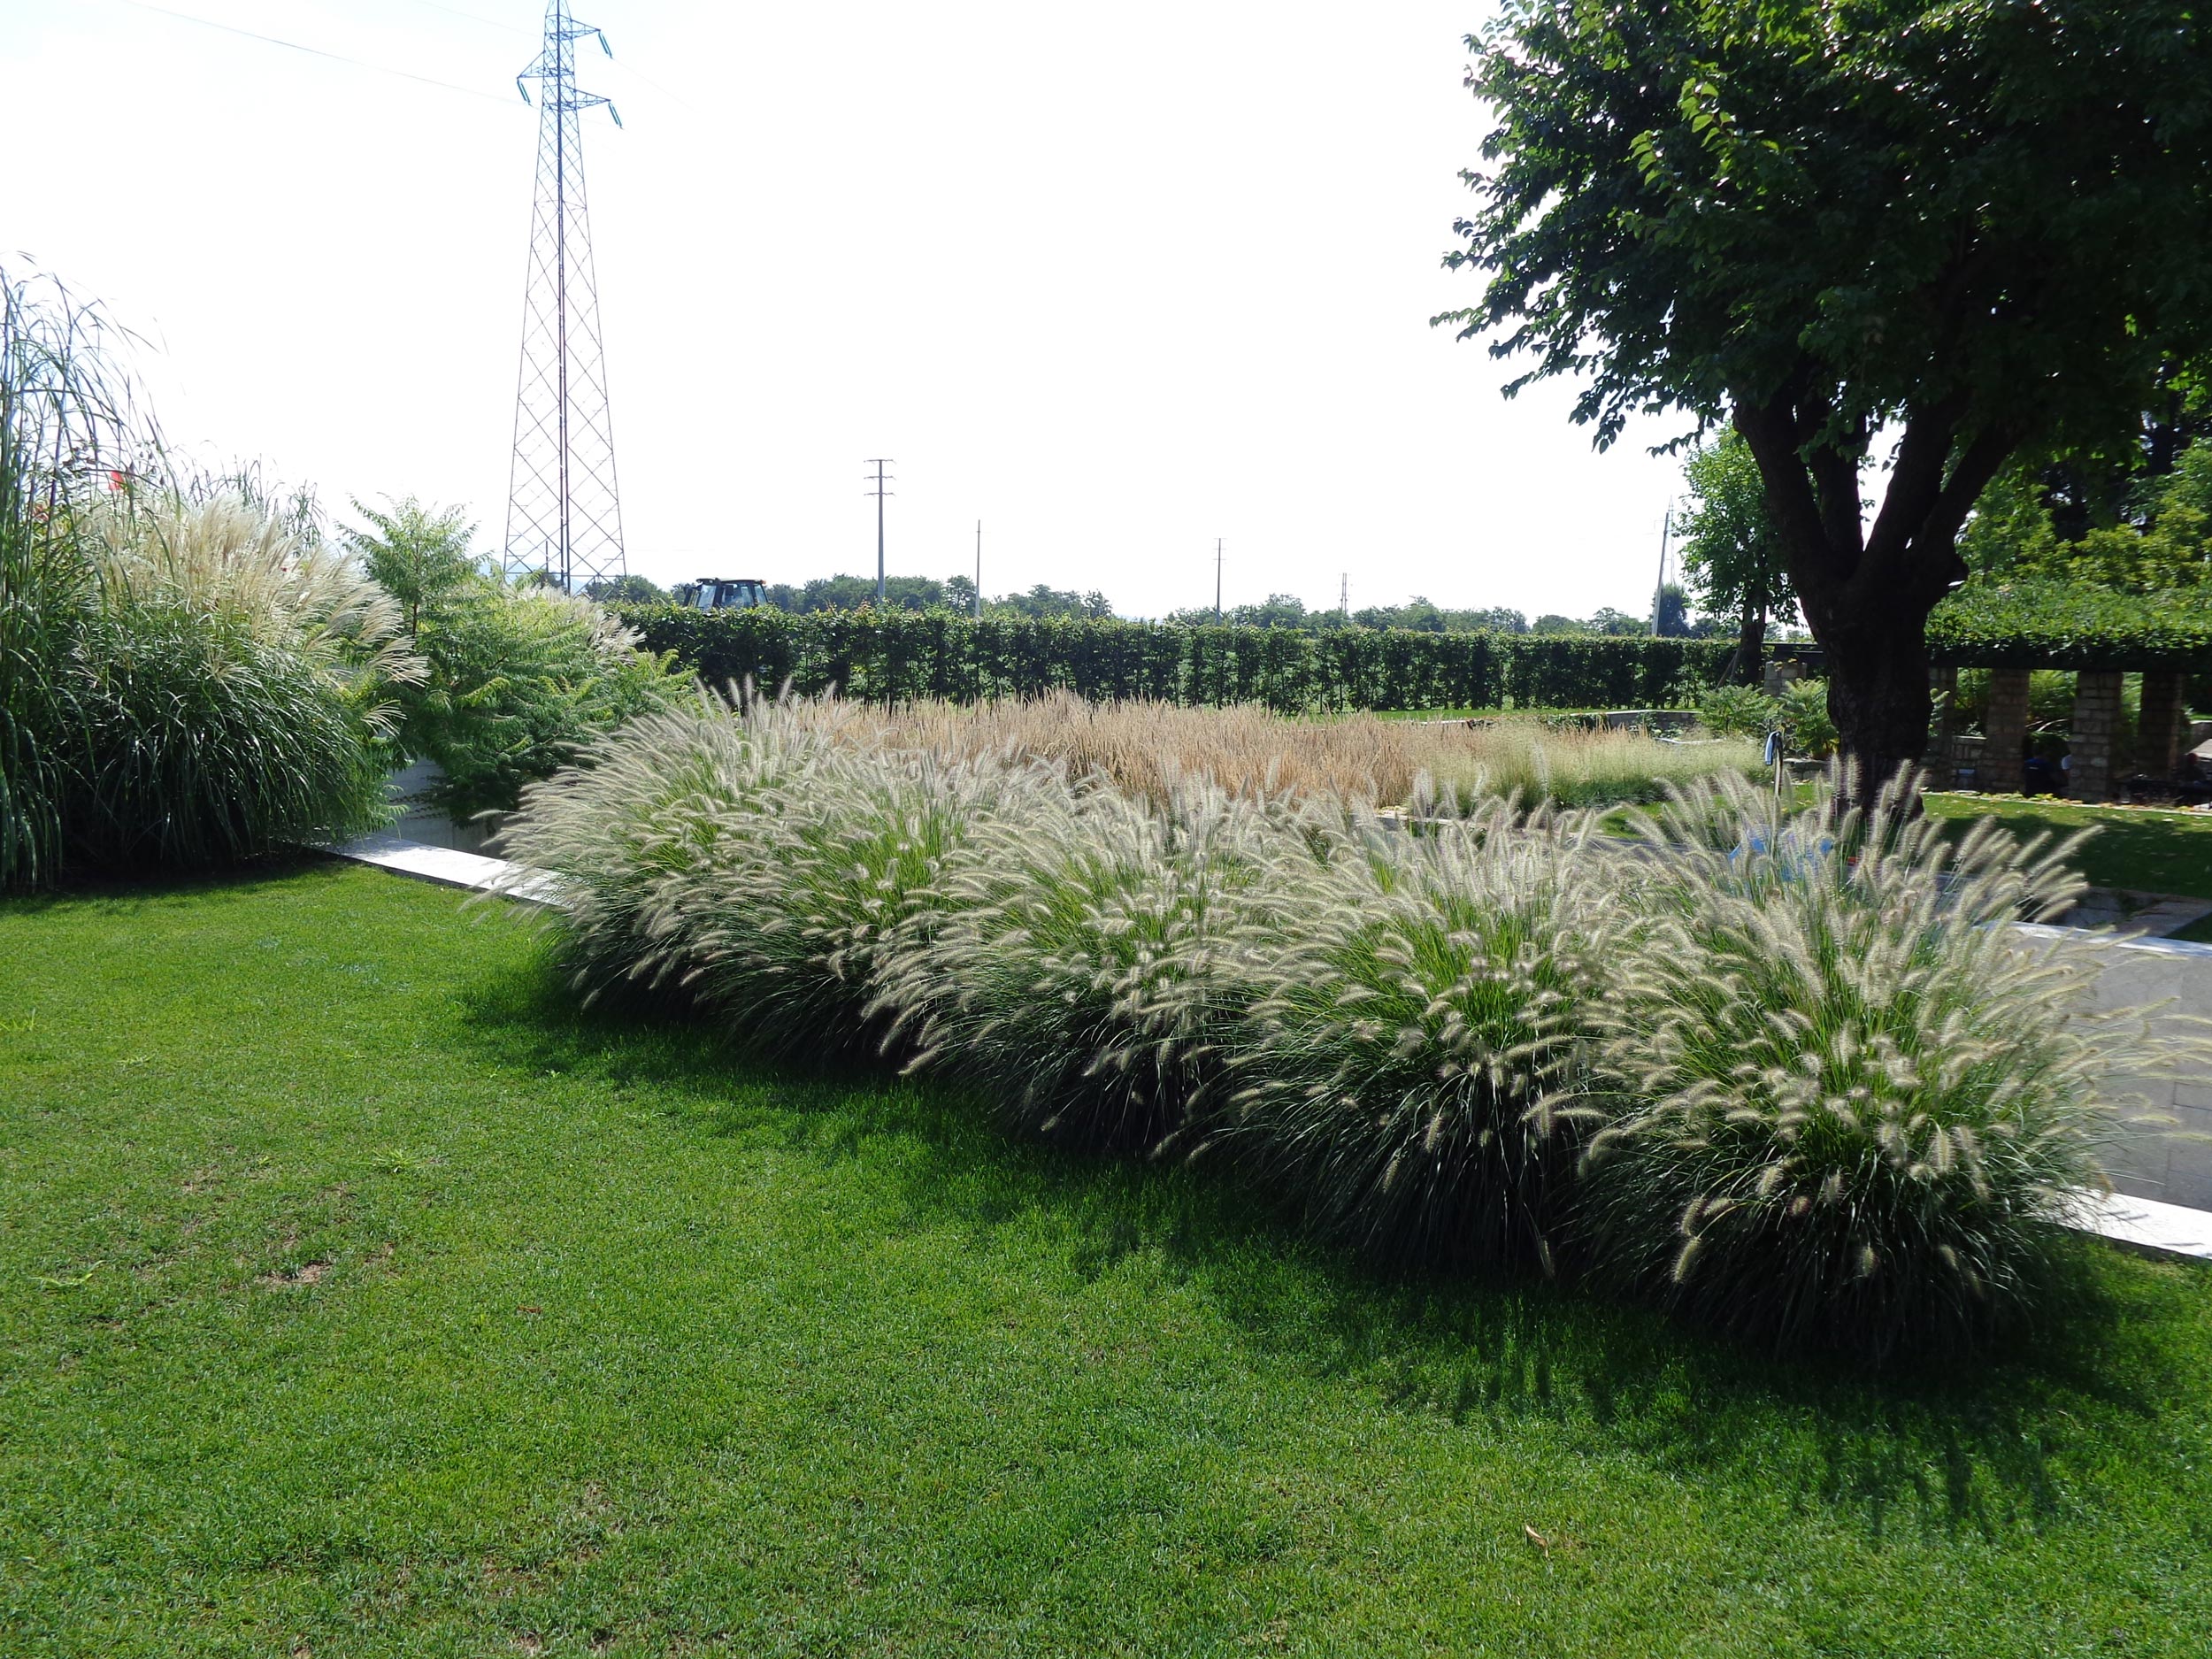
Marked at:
<point>2165,722</point>
<point>1941,763</point>
<point>2096,736</point>
<point>2005,726</point>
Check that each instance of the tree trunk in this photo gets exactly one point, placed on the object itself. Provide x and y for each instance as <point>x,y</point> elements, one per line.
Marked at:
<point>1751,641</point>
<point>1866,592</point>
<point>1877,692</point>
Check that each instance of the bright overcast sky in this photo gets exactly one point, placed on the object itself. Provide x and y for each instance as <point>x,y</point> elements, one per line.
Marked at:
<point>1115,281</point>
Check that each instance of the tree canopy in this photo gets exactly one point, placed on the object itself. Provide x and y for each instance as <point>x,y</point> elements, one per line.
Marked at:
<point>1974,228</point>
<point>1732,560</point>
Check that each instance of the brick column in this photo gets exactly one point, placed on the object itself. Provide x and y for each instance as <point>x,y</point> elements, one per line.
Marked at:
<point>1941,763</point>
<point>2005,724</point>
<point>2096,733</point>
<point>2165,722</point>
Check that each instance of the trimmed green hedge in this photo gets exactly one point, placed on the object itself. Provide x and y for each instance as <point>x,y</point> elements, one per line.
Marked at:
<point>2043,623</point>
<point>893,656</point>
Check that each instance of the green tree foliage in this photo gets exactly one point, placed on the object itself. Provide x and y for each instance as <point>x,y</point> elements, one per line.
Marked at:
<point>2165,545</point>
<point>851,593</point>
<point>1731,555</point>
<point>920,592</point>
<point>417,555</point>
<point>1423,617</point>
<point>516,675</point>
<point>1042,601</point>
<point>1978,226</point>
<point>626,590</point>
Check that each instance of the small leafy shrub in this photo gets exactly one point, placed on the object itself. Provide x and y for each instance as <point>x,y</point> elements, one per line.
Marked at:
<point>1806,725</point>
<point>1074,963</point>
<point>1738,712</point>
<point>1847,1109</point>
<point>518,679</point>
<point>1411,1057</point>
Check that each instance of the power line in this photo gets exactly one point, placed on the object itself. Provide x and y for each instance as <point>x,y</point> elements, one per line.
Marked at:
<point>313,52</point>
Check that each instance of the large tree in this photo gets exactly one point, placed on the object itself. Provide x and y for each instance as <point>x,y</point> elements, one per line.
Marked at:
<point>1966,229</point>
<point>1732,557</point>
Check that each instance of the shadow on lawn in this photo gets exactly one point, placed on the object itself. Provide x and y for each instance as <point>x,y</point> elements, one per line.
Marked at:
<point>1962,1447</point>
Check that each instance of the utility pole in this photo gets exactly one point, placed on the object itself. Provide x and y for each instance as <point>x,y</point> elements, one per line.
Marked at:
<point>978,570</point>
<point>563,511</point>
<point>878,492</point>
<point>1217,581</point>
<point>1344,597</point>
<point>1659,594</point>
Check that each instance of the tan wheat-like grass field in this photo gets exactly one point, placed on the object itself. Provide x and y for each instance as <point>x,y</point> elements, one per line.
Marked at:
<point>1145,746</point>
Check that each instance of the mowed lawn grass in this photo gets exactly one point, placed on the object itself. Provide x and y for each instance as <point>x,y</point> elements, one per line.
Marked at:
<point>2138,847</point>
<point>359,1297</point>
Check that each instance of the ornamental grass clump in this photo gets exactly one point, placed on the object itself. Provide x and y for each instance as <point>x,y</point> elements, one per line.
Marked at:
<point>232,679</point>
<point>646,807</point>
<point>1851,1107</point>
<point>1409,1064</point>
<point>748,862</point>
<point>1074,963</point>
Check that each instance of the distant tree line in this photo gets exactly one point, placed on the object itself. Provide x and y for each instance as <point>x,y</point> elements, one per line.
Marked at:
<point>1417,615</point>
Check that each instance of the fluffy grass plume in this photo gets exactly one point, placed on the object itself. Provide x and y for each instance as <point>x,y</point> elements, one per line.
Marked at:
<point>232,677</point>
<point>748,860</point>
<point>1409,1061</point>
<point>647,806</point>
<point>1074,965</point>
<point>1850,1106</point>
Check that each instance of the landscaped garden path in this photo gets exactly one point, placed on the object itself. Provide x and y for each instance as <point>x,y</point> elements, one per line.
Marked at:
<point>359,1297</point>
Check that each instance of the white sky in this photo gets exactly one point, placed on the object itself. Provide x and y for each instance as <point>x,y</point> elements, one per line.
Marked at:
<point>1116,281</point>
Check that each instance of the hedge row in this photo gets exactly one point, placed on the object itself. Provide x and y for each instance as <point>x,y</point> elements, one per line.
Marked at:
<point>901,655</point>
<point>2042,624</point>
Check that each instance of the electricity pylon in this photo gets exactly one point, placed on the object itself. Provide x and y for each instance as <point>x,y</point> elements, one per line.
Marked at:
<point>564,513</point>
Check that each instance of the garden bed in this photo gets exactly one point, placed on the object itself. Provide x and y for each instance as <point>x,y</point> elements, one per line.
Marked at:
<point>361,1299</point>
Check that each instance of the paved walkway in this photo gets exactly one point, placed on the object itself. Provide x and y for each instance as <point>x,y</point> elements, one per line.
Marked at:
<point>2134,1223</point>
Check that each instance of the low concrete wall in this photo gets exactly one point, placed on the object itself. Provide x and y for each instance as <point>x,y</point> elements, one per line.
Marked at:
<point>421,822</point>
<point>2170,1163</point>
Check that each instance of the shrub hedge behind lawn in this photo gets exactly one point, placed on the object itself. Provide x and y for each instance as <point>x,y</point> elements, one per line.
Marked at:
<point>1780,1070</point>
<point>897,655</point>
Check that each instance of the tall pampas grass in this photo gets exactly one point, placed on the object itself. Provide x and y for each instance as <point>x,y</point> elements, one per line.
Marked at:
<point>232,677</point>
<point>1851,1108</point>
<point>246,570</point>
<point>1411,1059</point>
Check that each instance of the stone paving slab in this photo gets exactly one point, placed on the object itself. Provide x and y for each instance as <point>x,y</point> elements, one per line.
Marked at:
<point>449,867</point>
<point>2147,1225</point>
<point>2132,1221</point>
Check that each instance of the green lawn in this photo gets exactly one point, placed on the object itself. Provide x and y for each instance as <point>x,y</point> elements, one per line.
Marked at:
<point>358,1298</point>
<point>2138,847</point>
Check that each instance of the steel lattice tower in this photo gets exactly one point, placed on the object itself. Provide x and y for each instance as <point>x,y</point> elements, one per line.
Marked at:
<point>564,513</point>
